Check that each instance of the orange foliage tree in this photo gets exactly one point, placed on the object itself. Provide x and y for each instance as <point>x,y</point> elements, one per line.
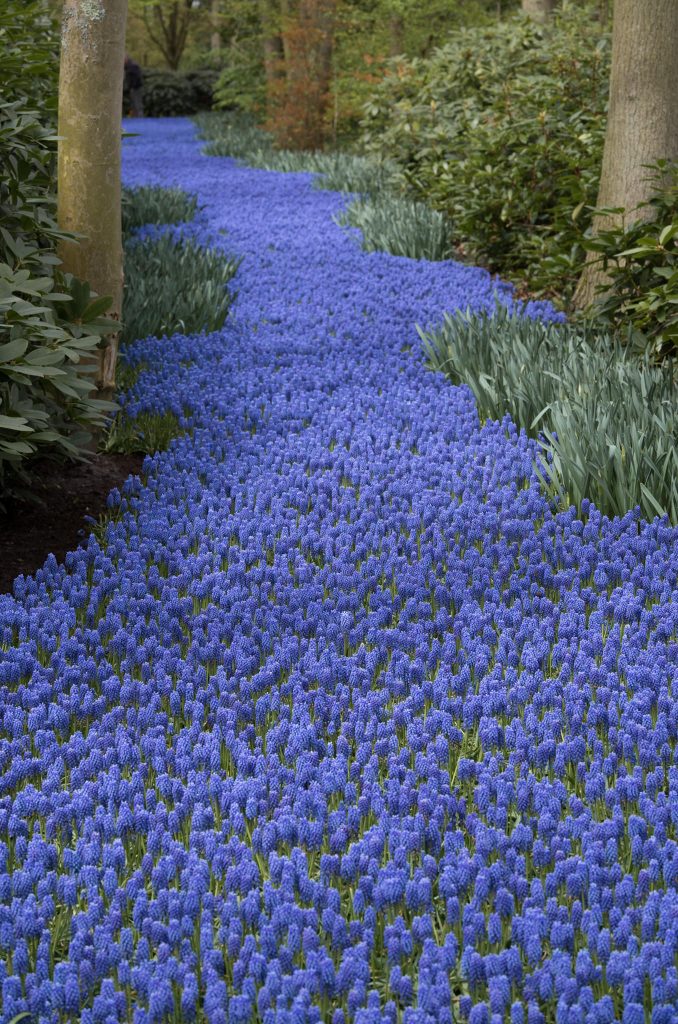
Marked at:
<point>298,50</point>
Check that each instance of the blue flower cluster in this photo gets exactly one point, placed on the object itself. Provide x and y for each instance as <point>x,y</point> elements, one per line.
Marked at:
<point>341,723</point>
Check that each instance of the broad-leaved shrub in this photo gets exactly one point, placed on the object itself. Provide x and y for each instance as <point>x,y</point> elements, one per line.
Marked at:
<point>640,260</point>
<point>50,323</point>
<point>502,129</point>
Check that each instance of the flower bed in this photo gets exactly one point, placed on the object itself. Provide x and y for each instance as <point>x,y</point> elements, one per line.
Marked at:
<point>336,720</point>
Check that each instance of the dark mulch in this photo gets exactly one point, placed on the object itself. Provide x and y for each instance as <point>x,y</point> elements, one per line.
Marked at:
<point>29,532</point>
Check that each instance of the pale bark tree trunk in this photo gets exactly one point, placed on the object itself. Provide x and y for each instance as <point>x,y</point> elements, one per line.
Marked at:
<point>215,18</point>
<point>642,122</point>
<point>540,10</point>
<point>90,106</point>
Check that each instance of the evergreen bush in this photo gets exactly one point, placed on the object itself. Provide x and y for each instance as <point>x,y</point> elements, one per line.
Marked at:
<point>640,262</point>
<point>502,129</point>
<point>176,93</point>
<point>50,323</point>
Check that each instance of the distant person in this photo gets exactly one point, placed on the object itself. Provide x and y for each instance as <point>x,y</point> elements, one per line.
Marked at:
<point>134,83</point>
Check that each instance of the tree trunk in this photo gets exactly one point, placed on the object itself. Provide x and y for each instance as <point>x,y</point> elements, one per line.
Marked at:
<point>603,11</point>
<point>396,31</point>
<point>642,122</point>
<point>308,44</point>
<point>286,17</point>
<point>540,10</point>
<point>274,58</point>
<point>168,29</point>
<point>90,105</point>
<point>215,18</point>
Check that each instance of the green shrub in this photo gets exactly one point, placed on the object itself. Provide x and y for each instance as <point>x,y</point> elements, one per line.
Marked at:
<point>399,226</point>
<point>502,130</point>
<point>172,284</point>
<point>50,324</point>
<point>168,94</point>
<point>153,204</point>
<point>241,86</point>
<point>204,82</point>
<point>607,419</point>
<point>640,260</point>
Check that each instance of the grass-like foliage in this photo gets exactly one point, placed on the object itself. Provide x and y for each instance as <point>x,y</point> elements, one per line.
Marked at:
<point>352,173</point>
<point>152,204</point>
<point>607,419</point>
<point>235,135</point>
<point>146,433</point>
<point>399,226</point>
<point>172,284</point>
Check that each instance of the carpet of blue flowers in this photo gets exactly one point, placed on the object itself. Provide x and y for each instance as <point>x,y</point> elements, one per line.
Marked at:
<point>340,722</point>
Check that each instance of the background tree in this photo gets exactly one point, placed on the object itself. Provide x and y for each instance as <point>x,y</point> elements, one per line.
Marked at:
<point>90,91</point>
<point>172,33</point>
<point>215,22</point>
<point>308,47</point>
<point>271,48</point>
<point>642,123</point>
<point>320,54</point>
<point>540,10</point>
<point>168,23</point>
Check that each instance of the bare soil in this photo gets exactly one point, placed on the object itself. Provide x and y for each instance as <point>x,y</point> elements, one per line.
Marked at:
<point>29,530</point>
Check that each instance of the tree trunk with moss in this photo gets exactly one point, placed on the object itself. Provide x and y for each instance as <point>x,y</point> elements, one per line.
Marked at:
<point>90,105</point>
<point>540,10</point>
<point>642,122</point>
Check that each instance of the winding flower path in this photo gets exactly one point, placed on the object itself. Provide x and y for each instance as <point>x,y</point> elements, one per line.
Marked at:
<point>340,723</point>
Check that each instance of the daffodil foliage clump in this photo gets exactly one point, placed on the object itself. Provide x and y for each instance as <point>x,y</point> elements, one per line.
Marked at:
<point>337,719</point>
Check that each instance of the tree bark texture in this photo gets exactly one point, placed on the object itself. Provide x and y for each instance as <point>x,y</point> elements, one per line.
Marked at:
<point>642,122</point>
<point>540,10</point>
<point>90,105</point>
<point>215,18</point>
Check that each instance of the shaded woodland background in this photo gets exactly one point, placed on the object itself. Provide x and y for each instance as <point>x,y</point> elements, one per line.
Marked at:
<point>305,67</point>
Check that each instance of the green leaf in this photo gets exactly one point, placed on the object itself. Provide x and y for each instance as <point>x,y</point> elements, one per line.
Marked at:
<point>96,308</point>
<point>667,233</point>
<point>13,350</point>
<point>14,423</point>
